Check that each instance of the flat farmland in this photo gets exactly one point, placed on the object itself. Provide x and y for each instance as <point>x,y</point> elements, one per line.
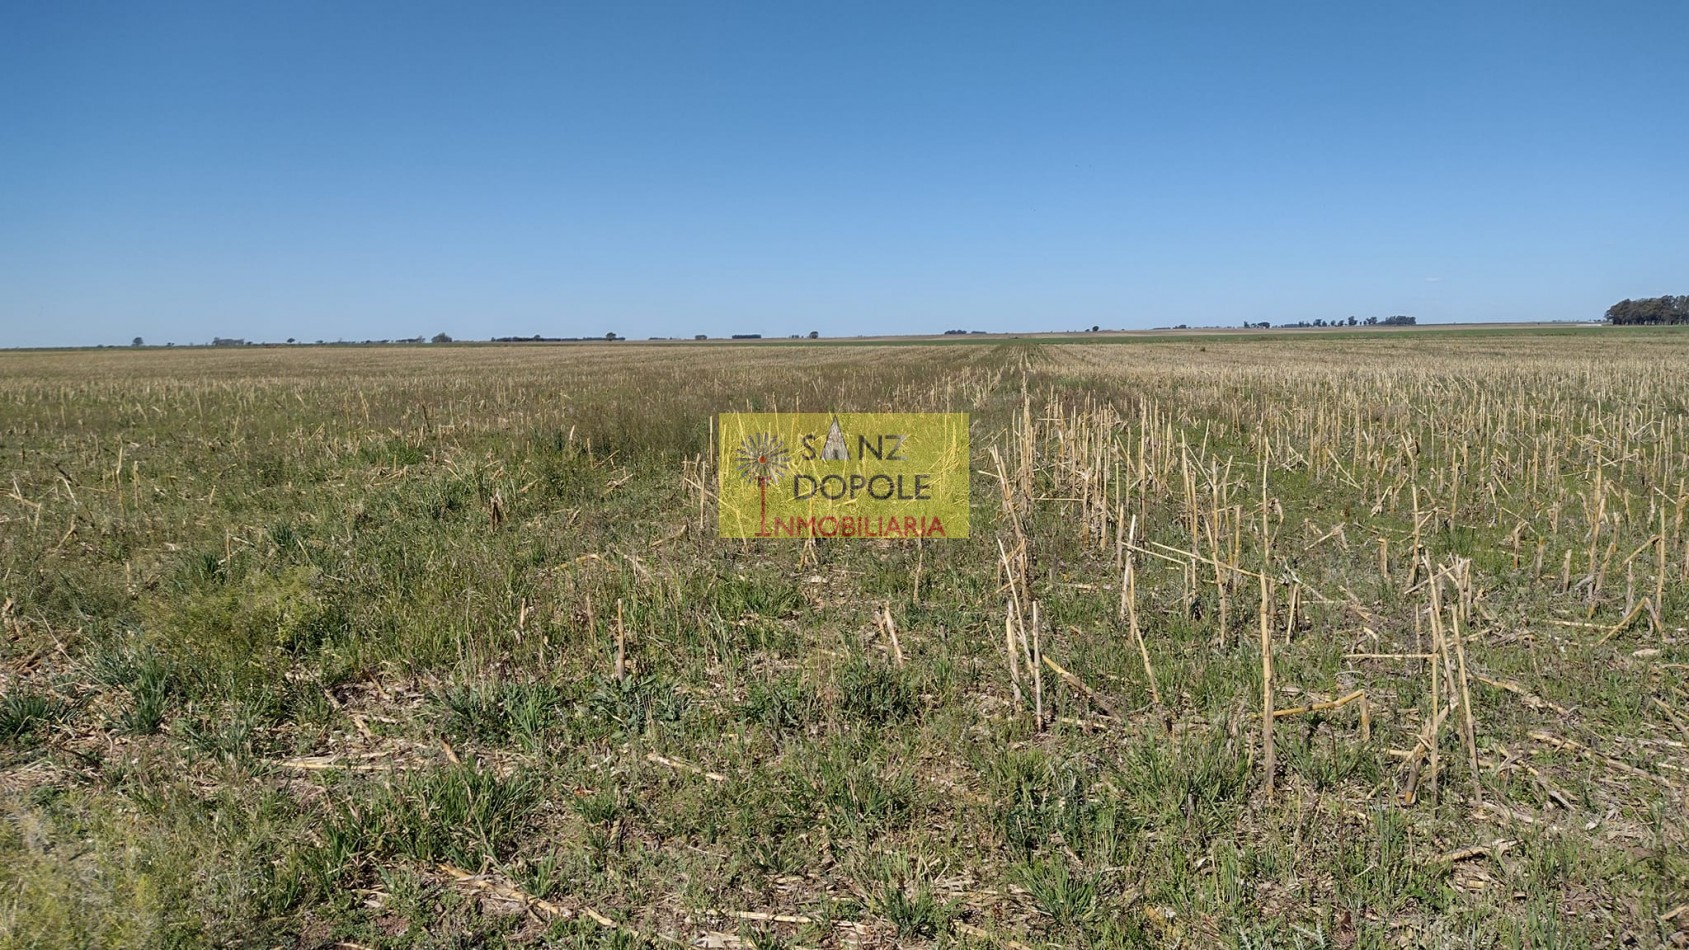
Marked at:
<point>1350,639</point>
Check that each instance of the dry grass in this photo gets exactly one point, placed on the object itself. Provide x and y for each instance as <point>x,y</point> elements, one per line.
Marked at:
<point>401,646</point>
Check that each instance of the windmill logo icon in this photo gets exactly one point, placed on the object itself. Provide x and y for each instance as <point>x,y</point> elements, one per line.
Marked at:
<point>761,459</point>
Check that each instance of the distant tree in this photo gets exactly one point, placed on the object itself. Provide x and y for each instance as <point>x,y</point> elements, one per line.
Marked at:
<point>1351,320</point>
<point>442,338</point>
<point>290,339</point>
<point>1399,320</point>
<point>815,334</point>
<point>137,342</point>
<point>1649,311</point>
<point>701,336</point>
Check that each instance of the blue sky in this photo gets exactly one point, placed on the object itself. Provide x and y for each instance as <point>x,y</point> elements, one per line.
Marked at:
<point>352,170</point>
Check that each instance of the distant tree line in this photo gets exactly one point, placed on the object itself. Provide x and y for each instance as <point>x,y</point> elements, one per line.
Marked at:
<point>1399,320</point>
<point>1650,310</point>
<point>536,338</point>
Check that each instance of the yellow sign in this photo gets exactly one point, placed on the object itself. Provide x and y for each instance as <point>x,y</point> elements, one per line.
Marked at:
<point>843,475</point>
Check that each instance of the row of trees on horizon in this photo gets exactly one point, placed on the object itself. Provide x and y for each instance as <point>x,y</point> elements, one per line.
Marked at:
<point>1646,311</point>
<point>1399,320</point>
<point>1650,310</point>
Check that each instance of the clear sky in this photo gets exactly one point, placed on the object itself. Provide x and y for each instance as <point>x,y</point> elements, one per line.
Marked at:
<point>352,170</point>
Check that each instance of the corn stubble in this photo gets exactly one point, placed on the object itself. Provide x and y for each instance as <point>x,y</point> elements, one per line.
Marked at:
<point>308,646</point>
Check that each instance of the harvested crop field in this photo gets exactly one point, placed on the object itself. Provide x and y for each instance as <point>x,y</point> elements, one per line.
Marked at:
<point>1364,639</point>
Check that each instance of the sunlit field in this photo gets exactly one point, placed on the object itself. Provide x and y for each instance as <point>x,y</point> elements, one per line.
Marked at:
<point>1349,639</point>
